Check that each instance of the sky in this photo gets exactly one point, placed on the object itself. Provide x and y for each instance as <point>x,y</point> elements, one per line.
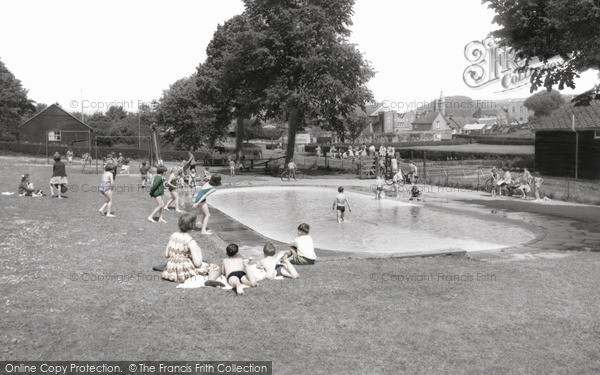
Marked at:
<point>91,54</point>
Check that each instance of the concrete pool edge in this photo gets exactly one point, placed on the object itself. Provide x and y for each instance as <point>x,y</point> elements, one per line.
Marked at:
<point>232,230</point>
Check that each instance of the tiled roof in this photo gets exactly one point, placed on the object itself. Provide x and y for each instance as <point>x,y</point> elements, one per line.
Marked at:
<point>427,119</point>
<point>586,117</point>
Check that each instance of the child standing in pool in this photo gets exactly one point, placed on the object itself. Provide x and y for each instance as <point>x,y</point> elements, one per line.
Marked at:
<point>379,187</point>
<point>156,191</point>
<point>339,204</point>
<point>207,189</point>
<point>276,265</point>
<point>302,249</point>
<point>237,270</point>
<point>106,188</point>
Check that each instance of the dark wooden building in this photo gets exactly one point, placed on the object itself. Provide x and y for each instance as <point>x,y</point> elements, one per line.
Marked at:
<point>56,126</point>
<point>567,143</point>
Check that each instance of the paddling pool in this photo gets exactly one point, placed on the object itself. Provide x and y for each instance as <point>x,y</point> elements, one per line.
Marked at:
<point>379,227</point>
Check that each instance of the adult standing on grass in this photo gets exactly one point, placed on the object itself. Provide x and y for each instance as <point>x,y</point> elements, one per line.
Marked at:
<point>207,189</point>
<point>191,162</point>
<point>107,187</point>
<point>59,177</point>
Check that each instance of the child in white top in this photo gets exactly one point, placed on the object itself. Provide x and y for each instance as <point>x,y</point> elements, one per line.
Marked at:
<point>302,249</point>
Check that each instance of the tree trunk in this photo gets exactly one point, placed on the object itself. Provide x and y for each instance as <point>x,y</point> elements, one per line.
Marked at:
<point>239,138</point>
<point>291,143</point>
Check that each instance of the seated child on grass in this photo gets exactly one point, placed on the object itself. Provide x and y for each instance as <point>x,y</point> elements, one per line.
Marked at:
<point>238,270</point>
<point>302,249</point>
<point>26,188</point>
<point>276,265</point>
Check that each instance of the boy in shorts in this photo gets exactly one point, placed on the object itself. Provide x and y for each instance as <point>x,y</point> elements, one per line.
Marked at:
<point>276,265</point>
<point>145,175</point>
<point>302,250</point>
<point>339,204</point>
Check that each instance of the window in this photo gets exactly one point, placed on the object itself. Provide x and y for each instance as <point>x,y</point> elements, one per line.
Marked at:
<point>596,134</point>
<point>54,136</point>
<point>437,124</point>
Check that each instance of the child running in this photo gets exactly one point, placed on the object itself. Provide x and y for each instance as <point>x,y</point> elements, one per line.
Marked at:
<point>156,191</point>
<point>207,189</point>
<point>276,265</point>
<point>106,188</point>
<point>59,177</point>
<point>172,186</point>
<point>339,204</point>
<point>302,249</point>
<point>237,270</point>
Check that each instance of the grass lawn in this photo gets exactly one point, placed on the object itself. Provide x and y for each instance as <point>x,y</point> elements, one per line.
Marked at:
<point>78,286</point>
<point>479,147</point>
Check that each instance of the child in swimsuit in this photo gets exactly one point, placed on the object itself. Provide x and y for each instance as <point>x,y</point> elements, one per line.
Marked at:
<point>379,184</point>
<point>237,270</point>
<point>276,265</point>
<point>106,188</point>
<point>339,204</point>
<point>171,184</point>
<point>145,176</point>
<point>207,189</point>
<point>156,191</point>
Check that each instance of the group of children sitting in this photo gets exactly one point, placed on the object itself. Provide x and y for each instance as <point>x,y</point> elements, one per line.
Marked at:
<point>185,259</point>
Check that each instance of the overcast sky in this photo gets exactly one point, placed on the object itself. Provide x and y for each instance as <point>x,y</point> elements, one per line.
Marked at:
<point>130,51</point>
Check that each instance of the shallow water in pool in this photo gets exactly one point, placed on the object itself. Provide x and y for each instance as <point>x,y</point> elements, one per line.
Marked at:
<point>378,227</point>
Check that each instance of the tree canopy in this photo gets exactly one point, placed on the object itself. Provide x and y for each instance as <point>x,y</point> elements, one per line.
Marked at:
<point>14,104</point>
<point>542,29</point>
<point>544,103</point>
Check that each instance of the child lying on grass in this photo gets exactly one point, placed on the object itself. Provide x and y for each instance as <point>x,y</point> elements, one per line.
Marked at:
<point>276,265</point>
<point>238,270</point>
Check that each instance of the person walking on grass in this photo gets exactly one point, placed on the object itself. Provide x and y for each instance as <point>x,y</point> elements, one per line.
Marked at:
<point>172,186</point>
<point>207,189</point>
<point>156,192</point>
<point>107,186</point>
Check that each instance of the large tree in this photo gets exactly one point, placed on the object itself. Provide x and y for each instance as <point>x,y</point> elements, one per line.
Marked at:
<point>315,71</point>
<point>542,29</point>
<point>544,103</point>
<point>14,104</point>
<point>186,118</point>
<point>235,74</point>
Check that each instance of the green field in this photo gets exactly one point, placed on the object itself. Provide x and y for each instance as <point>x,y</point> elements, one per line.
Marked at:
<point>78,286</point>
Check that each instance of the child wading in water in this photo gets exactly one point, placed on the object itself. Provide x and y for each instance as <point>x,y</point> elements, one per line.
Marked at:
<point>339,204</point>
<point>207,189</point>
<point>106,188</point>
<point>237,270</point>
<point>156,191</point>
<point>302,249</point>
<point>380,181</point>
<point>276,265</point>
<point>172,185</point>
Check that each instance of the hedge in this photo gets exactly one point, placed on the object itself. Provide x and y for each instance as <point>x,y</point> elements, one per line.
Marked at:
<point>250,151</point>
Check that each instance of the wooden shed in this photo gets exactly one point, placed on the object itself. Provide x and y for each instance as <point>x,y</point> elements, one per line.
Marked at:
<point>567,143</point>
<point>57,127</point>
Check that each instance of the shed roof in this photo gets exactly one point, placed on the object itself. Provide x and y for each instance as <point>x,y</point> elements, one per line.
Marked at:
<point>59,108</point>
<point>586,118</point>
